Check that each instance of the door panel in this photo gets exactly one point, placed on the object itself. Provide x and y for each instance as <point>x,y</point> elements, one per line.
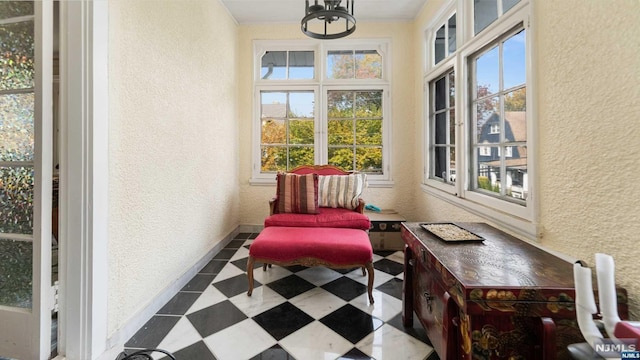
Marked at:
<point>25,178</point>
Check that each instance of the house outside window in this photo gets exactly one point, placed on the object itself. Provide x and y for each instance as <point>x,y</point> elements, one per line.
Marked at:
<point>499,83</point>
<point>320,103</point>
<point>490,135</point>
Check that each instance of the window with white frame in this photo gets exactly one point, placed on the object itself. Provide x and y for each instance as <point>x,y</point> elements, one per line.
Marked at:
<point>287,129</point>
<point>477,121</point>
<point>485,12</point>
<point>498,83</point>
<point>321,103</point>
<point>444,42</point>
<point>442,152</point>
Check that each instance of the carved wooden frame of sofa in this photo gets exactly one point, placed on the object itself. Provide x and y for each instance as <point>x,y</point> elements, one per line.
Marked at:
<point>334,236</point>
<point>337,217</point>
<point>320,170</point>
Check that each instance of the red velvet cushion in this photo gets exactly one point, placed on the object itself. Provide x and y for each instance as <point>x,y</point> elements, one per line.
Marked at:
<point>326,217</point>
<point>336,246</point>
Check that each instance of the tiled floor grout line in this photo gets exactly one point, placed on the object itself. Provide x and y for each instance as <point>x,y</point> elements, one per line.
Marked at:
<point>214,314</point>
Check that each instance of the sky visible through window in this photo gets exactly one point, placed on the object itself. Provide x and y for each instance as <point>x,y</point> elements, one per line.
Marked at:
<point>514,65</point>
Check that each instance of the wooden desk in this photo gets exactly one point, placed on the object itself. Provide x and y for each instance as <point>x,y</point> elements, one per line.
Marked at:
<point>501,298</point>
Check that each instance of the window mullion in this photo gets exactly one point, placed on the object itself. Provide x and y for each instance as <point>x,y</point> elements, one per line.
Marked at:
<point>320,140</point>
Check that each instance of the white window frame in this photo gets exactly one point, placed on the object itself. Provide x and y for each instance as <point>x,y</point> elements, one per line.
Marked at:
<point>445,185</point>
<point>434,71</point>
<point>320,84</point>
<point>515,217</point>
<point>292,88</point>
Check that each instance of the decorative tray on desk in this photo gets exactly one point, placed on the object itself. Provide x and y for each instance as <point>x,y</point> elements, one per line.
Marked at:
<point>450,232</point>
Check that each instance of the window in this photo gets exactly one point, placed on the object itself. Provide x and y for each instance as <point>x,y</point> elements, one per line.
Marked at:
<point>320,103</point>
<point>499,100</point>
<point>442,153</point>
<point>476,123</point>
<point>287,129</point>
<point>354,64</point>
<point>486,12</point>
<point>354,130</point>
<point>444,42</point>
<point>283,65</point>
<point>17,151</point>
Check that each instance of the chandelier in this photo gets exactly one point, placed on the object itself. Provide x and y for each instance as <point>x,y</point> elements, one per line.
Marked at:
<point>330,21</point>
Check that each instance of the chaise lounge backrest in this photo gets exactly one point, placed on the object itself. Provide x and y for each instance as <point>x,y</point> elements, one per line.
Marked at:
<point>318,196</point>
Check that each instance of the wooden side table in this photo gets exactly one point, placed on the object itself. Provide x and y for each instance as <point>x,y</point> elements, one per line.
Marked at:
<point>385,230</point>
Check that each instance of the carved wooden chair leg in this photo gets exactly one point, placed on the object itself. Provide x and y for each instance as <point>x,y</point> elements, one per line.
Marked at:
<point>250,274</point>
<point>264,267</point>
<point>370,282</point>
<point>364,271</point>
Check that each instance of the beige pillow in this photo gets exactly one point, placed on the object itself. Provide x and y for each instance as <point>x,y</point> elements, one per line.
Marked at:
<point>340,191</point>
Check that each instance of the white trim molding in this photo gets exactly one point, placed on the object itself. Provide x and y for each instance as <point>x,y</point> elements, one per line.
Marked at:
<point>83,178</point>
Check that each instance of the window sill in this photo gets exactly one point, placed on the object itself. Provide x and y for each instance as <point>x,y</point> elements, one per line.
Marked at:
<point>272,182</point>
<point>525,228</point>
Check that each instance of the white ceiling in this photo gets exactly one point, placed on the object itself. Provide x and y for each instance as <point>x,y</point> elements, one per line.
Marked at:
<point>289,11</point>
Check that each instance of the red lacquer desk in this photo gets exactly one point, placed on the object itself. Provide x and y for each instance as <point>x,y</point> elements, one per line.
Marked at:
<point>497,299</point>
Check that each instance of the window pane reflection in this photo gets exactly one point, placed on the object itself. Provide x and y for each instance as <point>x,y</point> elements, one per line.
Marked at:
<point>452,34</point>
<point>439,45</point>
<point>484,13</point>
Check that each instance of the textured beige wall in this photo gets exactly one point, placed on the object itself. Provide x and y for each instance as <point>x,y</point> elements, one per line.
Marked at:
<point>587,73</point>
<point>255,198</point>
<point>173,140</point>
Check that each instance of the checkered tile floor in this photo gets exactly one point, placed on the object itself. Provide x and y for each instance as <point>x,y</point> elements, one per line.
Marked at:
<point>294,313</point>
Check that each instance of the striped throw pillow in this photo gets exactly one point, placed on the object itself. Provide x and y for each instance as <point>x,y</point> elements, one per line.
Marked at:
<point>297,193</point>
<point>340,191</point>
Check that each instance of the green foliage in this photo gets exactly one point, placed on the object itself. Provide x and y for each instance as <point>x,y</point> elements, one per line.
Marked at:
<point>484,183</point>
<point>356,65</point>
<point>516,100</point>
<point>354,127</point>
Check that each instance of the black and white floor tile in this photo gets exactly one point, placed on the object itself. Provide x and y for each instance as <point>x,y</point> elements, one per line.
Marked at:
<point>294,313</point>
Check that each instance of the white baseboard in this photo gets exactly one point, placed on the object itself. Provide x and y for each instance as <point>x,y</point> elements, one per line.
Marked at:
<point>115,344</point>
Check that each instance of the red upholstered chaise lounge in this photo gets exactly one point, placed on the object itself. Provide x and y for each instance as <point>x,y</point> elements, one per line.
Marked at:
<point>334,235</point>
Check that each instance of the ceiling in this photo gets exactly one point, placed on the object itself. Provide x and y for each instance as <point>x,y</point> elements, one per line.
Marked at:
<point>290,11</point>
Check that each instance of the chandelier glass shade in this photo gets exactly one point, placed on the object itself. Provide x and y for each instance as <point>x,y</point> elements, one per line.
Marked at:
<point>328,21</point>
